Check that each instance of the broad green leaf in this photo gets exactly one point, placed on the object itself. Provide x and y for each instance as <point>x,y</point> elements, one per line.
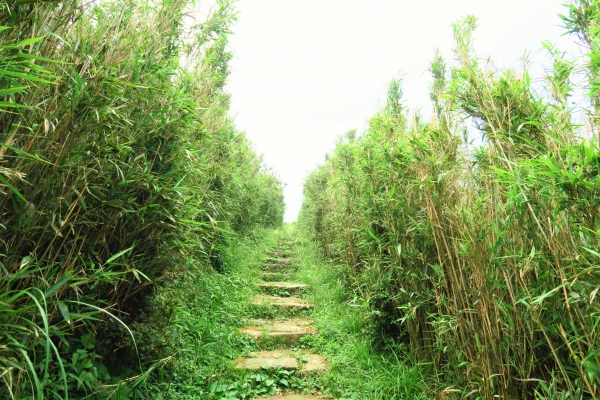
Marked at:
<point>26,260</point>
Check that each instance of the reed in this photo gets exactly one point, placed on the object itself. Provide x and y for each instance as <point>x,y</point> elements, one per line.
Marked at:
<point>484,261</point>
<point>118,166</point>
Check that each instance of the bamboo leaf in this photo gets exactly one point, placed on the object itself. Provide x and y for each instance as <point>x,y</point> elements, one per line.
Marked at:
<point>30,41</point>
<point>373,236</point>
<point>119,254</point>
<point>27,77</point>
<point>12,90</point>
<point>64,310</point>
<point>55,287</point>
<point>13,189</point>
<point>11,105</point>
<point>24,153</point>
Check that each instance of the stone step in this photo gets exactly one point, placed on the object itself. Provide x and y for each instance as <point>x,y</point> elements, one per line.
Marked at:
<point>278,267</point>
<point>283,249</point>
<point>269,287</point>
<point>284,359</point>
<point>289,331</point>
<point>280,254</point>
<point>253,363</point>
<point>272,260</point>
<point>273,276</point>
<point>291,303</point>
<point>287,243</point>
<point>313,363</point>
<point>293,397</point>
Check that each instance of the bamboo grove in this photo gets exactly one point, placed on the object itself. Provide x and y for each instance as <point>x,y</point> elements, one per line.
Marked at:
<point>119,166</point>
<point>484,260</point>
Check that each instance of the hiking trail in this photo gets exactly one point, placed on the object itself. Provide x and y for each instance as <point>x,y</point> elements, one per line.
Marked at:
<point>288,322</point>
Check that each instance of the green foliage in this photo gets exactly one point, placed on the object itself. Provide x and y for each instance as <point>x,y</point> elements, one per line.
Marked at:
<point>256,384</point>
<point>201,336</point>
<point>482,262</point>
<point>360,367</point>
<point>119,166</point>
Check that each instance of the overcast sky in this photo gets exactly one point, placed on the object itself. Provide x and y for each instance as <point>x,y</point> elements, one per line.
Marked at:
<point>305,72</point>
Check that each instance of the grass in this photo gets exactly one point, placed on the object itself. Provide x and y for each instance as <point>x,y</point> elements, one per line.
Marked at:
<point>203,337</point>
<point>210,311</point>
<point>360,367</point>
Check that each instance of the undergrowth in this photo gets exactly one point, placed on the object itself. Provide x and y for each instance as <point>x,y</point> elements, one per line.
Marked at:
<point>360,367</point>
<point>203,336</point>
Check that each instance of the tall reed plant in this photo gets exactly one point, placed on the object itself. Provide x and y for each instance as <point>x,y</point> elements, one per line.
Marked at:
<point>484,260</point>
<point>118,165</point>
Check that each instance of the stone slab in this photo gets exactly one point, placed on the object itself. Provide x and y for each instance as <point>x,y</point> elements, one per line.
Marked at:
<point>272,260</point>
<point>254,363</point>
<point>285,303</point>
<point>293,397</point>
<point>281,357</point>
<point>311,362</point>
<point>289,331</point>
<point>277,267</point>
<point>314,362</point>
<point>272,276</point>
<point>290,287</point>
<point>280,254</point>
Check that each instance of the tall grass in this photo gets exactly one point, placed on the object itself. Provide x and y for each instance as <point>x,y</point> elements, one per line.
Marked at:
<point>117,165</point>
<point>484,261</point>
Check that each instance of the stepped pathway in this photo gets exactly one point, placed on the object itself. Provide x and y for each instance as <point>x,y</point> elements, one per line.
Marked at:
<point>280,298</point>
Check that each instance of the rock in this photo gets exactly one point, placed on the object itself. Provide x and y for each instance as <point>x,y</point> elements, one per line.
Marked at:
<point>272,276</point>
<point>278,267</point>
<point>314,362</point>
<point>272,260</point>
<point>280,253</point>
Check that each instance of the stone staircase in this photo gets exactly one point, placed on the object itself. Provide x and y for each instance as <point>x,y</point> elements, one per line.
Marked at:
<point>280,298</point>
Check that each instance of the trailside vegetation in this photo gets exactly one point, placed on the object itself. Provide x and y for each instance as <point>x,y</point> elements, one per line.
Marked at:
<point>120,170</point>
<point>484,261</point>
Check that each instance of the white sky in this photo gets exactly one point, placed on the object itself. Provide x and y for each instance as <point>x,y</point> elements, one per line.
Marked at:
<point>305,72</point>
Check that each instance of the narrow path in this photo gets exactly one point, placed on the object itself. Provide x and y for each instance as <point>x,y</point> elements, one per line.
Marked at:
<point>289,320</point>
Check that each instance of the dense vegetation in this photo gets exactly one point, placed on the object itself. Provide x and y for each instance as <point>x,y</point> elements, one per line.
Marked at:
<point>120,170</point>
<point>483,261</point>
